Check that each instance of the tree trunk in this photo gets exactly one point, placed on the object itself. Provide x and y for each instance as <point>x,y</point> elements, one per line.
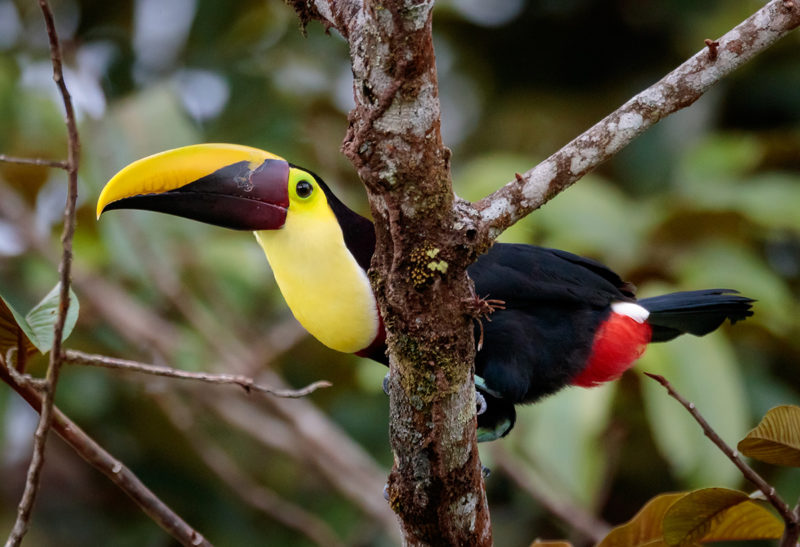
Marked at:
<point>419,276</point>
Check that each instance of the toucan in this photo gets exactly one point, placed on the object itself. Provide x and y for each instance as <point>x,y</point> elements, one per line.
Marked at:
<point>562,319</point>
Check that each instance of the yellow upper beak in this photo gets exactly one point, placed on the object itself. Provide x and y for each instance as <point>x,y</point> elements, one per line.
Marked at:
<point>227,185</point>
<point>176,168</point>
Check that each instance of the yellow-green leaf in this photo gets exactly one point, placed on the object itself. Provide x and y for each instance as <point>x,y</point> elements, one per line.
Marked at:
<point>35,330</point>
<point>776,439</point>
<point>698,514</point>
<point>42,318</point>
<point>550,543</point>
<point>746,521</point>
<point>645,528</point>
<point>14,329</point>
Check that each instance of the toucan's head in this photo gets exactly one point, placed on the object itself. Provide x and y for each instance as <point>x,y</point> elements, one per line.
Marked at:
<point>227,185</point>
<point>302,227</point>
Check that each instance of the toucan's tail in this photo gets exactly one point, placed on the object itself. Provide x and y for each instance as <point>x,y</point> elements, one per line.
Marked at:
<point>694,312</point>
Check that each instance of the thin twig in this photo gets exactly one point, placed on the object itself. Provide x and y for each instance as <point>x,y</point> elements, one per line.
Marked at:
<point>40,162</point>
<point>100,459</point>
<point>246,383</point>
<point>25,507</point>
<point>575,516</point>
<point>749,473</point>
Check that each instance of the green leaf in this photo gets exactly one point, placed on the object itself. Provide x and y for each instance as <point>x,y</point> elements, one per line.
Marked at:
<point>717,514</point>
<point>645,528</point>
<point>776,439</point>
<point>13,327</point>
<point>42,319</point>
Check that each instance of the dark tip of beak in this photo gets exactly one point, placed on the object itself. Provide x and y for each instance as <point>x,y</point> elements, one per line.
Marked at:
<point>234,197</point>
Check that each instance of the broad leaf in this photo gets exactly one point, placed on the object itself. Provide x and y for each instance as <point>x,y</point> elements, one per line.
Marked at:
<point>776,439</point>
<point>716,514</point>
<point>746,521</point>
<point>42,319</point>
<point>645,528</point>
<point>550,543</point>
<point>13,328</point>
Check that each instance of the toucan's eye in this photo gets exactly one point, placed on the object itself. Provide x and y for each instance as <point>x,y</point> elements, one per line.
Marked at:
<point>303,189</point>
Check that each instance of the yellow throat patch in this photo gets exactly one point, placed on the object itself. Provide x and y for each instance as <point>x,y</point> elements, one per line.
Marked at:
<point>326,289</point>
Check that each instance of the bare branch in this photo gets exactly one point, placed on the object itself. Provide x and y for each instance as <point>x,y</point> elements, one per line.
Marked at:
<point>100,459</point>
<point>575,516</point>
<point>246,383</point>
<point>25,507</point>
<point>678,89</point>
<point>749,473</point>
<point>34,161</point>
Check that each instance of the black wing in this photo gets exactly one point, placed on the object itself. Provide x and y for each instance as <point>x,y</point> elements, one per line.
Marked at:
<point>555,301</point>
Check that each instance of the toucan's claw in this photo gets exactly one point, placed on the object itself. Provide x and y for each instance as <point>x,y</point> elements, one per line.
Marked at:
<point>485,471</point>
<point>480,401</point>
<point>386,383</point>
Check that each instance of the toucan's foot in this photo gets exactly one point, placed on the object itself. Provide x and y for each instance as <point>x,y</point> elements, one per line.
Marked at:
<point>479,308</point>
<point>485,471</point>
<point>386,383</point>
<point>480,402</point>
<point>386,490</point>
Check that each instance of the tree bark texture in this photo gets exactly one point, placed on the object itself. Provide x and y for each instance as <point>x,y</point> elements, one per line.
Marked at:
<point>418,271</point>
<point>419,275</point>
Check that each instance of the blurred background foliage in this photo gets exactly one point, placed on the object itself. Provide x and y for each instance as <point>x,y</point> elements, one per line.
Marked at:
<point>710,197</point>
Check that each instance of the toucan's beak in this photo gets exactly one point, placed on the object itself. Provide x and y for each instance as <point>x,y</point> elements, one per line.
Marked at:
<point>226,185</point>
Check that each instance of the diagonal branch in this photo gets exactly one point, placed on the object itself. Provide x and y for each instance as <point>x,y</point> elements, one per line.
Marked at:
<point>678,89</point>
<point>246,383</point>
<point>749,473</point>
<point>25,507</point>
<point>104,462</point>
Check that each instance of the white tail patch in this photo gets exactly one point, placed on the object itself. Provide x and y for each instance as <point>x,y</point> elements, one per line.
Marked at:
<point>632,310</point>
